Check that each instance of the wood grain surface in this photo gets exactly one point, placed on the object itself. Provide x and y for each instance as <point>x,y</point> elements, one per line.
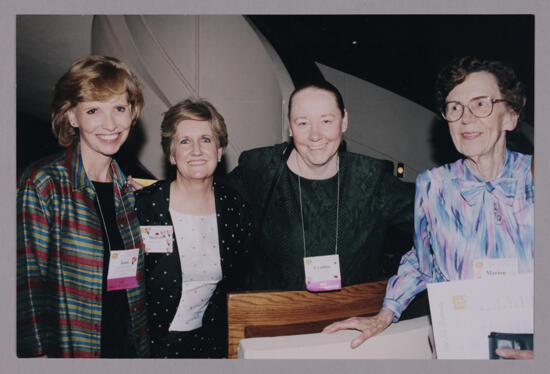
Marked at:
<point>276,313</point>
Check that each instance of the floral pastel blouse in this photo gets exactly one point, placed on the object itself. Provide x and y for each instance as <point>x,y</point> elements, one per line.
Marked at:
<point>460,218</point>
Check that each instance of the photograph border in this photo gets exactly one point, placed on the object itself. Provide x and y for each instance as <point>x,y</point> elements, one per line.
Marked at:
<point>10,8</point>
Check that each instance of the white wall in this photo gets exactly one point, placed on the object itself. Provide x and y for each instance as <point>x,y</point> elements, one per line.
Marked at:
<point>383,124</point>
<point>225,60</point>
<point>220,58</point>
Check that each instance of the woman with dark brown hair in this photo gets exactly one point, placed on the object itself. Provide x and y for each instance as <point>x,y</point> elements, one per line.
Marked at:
<point>318,206</point>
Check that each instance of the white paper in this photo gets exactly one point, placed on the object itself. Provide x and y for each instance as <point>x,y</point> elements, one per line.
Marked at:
<point>465,312</point>
<point>402,340</point>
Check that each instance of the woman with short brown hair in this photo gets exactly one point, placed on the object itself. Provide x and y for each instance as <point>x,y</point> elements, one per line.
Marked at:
<point>206,229</point>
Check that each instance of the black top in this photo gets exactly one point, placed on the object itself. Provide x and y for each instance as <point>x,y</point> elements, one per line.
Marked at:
<point>163,277</point>
<point>371,199</point>
<point>115,314</point>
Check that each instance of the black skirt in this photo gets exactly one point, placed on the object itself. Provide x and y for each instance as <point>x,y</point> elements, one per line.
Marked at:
<point>198,343</point>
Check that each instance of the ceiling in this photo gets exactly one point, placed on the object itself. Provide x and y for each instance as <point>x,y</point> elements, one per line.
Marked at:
<point>401,53</point>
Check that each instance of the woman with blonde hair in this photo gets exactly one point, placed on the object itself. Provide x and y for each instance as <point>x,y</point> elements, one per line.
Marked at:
<point>80,286</point>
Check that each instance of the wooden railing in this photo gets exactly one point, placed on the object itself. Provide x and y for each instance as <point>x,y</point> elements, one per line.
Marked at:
<point>277,313</point>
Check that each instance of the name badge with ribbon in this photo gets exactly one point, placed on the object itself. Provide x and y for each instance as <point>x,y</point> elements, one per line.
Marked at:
<point>157,239</point>
<point>495,267</point>
<point>322,273</point>
<point>122,273</point>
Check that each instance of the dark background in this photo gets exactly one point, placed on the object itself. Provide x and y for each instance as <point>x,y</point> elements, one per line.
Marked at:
<point>401,53</point>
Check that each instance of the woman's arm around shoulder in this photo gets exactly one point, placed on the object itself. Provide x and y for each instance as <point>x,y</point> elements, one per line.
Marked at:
<point>255,167</point>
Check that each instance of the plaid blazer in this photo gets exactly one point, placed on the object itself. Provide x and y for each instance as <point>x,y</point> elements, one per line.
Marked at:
<point>60,260</point>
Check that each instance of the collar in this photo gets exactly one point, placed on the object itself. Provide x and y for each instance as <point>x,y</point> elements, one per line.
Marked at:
<point>504,172</point>
<point>77,175</point>
<point>503,187</point>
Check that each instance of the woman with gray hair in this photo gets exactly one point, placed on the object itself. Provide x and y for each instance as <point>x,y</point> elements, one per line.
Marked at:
<point>477,210</point>
<point>196,233</point>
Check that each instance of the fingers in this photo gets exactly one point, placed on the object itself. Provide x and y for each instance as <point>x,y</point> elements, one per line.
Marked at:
<point>515,353</point>
<point>134,184</point>
<point>360,340</point>
<point>336,326</point>
<point>347,324</point>
<point>333,327</point>
<point>368,331</point>
<point>369,326</point>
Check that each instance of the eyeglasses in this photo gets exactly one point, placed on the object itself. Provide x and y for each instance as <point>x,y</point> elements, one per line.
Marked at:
<point>480,107</point>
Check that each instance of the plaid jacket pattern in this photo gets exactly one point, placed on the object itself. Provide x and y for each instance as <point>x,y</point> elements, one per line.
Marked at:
<point>60,260</point>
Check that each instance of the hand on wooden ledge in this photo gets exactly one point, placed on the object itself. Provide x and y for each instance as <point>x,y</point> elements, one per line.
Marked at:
<point>369,326</point>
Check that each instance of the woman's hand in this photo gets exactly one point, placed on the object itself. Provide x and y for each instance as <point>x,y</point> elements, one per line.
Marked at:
<point>369,326</point>
<point>515,354</point>
<point>134,185</point>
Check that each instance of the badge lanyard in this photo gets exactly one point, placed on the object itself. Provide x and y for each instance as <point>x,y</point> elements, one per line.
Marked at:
<point>322,272</point>
<point>122,270</point>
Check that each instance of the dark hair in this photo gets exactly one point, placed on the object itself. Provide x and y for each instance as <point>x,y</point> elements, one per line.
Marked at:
<point>94,78</point>
<point>194,109</point>
<point>322,85</point>
<point>457,70</point>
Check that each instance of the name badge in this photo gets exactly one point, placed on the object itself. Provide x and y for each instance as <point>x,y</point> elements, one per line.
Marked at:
<point>122,274</point>
<point>157,239</point>
<point>322,273</point>
<point>495,267</point>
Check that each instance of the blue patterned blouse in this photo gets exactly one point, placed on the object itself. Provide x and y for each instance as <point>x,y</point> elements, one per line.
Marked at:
<point>460,218</point>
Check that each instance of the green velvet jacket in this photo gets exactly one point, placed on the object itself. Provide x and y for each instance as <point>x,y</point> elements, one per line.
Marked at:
<point>371,199</point>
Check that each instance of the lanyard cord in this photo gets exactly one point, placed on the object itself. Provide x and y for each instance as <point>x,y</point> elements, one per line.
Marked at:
<point>105,226</point>
<point>337,212</point>
<point>103,221</point>
<point>127,221</point>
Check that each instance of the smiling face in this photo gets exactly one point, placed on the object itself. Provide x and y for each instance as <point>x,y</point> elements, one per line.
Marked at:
<point>317,126</point>
<point>103,126</point>
<point>195,150</point>
<point>481,137</point>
